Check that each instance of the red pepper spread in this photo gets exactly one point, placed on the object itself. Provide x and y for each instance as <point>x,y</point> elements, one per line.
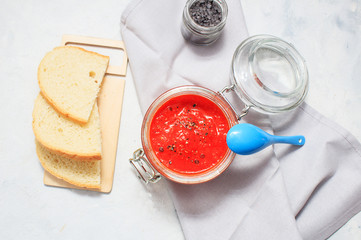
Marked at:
<point>188,134</point>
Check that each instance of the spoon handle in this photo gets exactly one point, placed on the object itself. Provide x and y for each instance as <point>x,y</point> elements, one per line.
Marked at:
<point>295,140</point>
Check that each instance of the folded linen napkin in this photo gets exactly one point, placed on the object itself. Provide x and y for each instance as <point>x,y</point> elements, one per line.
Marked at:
<point>282,192</point>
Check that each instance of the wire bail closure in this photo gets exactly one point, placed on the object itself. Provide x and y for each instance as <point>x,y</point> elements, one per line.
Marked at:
<point>244,110</point>
<point>145,171</point>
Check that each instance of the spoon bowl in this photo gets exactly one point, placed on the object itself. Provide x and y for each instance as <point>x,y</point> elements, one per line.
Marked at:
<point>246,139</point>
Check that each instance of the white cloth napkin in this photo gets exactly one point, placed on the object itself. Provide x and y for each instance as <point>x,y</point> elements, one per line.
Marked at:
<point>282,192</point>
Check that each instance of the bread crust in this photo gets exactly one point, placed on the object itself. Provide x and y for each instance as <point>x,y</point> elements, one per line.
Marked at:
<point>72,155</point>
<point>96,186</point>
<point>49,99</point>
<point>62,152</point>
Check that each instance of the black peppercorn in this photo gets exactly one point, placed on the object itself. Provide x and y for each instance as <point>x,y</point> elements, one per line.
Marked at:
<point>206,13</point>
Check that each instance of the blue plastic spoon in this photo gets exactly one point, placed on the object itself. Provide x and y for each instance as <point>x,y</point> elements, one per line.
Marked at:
<point>245,139</point>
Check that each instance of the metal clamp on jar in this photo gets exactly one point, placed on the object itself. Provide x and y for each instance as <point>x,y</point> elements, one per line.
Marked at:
<point>267,74</point>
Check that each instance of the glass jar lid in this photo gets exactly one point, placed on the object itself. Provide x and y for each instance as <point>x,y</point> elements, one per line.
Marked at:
<point>269,74</point>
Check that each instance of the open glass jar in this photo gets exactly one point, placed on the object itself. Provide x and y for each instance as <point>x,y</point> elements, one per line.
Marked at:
<point>267,74</point>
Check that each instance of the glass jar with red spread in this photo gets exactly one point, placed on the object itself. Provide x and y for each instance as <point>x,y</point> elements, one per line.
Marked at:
<point>184,130</point>
<point>184,134</point>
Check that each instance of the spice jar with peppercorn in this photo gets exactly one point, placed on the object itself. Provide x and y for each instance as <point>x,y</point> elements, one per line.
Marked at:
<point>204,20</point>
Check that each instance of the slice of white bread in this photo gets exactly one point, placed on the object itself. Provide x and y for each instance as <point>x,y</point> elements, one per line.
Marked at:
<point>79,173</point>
<point>70,78</point>
<point>64,136</point>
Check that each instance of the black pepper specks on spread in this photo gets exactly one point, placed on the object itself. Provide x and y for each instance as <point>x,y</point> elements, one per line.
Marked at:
<point>206,13</point>
<point>194,130</point>
<point>171,147</point>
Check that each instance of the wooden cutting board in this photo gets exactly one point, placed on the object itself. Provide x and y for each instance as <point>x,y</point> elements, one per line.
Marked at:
<point>110,100</point>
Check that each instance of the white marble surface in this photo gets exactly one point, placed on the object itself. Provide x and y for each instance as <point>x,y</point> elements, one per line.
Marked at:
<point>327,33</point>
